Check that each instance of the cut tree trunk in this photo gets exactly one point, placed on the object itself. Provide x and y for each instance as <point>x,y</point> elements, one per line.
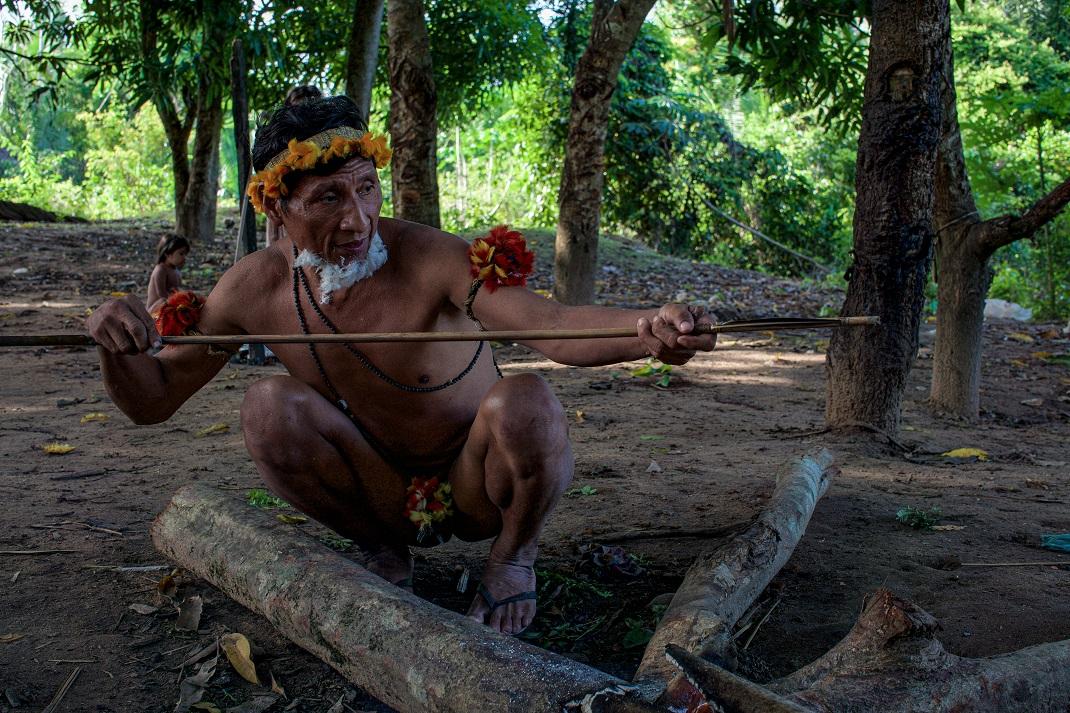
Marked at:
<point>413,106</point>
<point>891,662</point>
<point>362,55</point>
<point>724,582</point>
<point>893,224</point>
<point>614,28</point>
<point>406,652</point>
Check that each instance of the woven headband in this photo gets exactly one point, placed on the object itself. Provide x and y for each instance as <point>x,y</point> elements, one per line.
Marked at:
<point>339,142</point>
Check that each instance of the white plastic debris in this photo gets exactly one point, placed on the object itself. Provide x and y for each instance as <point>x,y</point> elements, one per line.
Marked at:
<point>1002,309</point>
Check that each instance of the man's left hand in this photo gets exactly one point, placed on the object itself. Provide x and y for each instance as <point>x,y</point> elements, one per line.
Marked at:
<point>668,336</point>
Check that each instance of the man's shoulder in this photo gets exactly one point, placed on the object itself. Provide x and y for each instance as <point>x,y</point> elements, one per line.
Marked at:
<point>416,238</point>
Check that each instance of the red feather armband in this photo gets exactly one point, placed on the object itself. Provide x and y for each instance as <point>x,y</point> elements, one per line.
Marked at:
<point>501,259</point>
<point>179,314</point>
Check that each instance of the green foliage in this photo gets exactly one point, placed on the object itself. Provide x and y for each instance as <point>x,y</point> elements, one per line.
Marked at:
<point>1014,111</point>
<point>123,169</point>
<point>260,498</point>
<point>809,53</point>
<point>918,518</point>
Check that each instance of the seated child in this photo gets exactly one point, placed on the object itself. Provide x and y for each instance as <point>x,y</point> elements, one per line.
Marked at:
<point>166,277</point>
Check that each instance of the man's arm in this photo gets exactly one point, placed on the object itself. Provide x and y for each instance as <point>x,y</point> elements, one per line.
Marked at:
<point>147,388</point>
<point>661,333</point>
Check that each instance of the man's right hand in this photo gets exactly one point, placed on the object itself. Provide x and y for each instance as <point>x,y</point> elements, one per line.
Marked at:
<point>123,326</point>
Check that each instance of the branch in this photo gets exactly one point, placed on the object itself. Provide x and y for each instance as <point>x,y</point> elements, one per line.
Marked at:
<point>993,234</point>
<point>725,582</point>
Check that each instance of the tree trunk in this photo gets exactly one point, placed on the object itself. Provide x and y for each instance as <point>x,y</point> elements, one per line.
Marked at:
<point>893,225</point>
<point>363,53</point>
<point>196,181</point>
<point>413,106</point>
<point>963,274</point>
<point>195,214</point>
<point>614,29</point>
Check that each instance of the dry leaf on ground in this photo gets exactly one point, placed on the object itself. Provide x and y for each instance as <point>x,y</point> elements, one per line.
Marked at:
<point>966,453</point>
<point>214,428</point>
<point>191,689</point>
<point>189,613</point>
<point>94,416</point>
<point>10,638</point>
<point>948,528</point>
<point>167,585</point>
<point>291,519</point>
<point>57,449</point>
<point>145,609</point>
<point>238,652</point>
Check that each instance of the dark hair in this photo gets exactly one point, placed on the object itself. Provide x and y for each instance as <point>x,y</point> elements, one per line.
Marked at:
<point>302,93</point>
<point>169,245</point>
<point>299,121</point>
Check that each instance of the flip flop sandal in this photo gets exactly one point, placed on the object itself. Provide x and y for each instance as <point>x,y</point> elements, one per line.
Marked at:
<point>496,603</point>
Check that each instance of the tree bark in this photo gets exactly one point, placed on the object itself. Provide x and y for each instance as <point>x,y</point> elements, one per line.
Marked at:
<point>413,123</point>
<point>406,652</point>
<point>362,55</point>
<point>724,582</point>
<point>964,246</point>
<point>962,274</point>
<point>195,215</point>
<point>240,110</point>
<point>893,225</point>
<point>891,662</point>
<point>614,29</point>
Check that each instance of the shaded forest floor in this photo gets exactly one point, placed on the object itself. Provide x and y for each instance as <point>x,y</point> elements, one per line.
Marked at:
<point>699,454</point>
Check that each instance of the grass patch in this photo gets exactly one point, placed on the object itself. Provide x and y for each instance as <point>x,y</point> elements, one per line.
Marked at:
<point>260,498</point>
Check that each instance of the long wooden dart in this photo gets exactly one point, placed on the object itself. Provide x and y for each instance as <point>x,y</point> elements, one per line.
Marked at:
<point>774,324</point>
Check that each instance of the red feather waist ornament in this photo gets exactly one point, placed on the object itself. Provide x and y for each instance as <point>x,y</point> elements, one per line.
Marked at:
<point>501,259</point>
<point>179,314</point>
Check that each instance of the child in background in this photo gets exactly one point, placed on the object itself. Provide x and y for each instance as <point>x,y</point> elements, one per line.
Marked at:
<point>166,278</point>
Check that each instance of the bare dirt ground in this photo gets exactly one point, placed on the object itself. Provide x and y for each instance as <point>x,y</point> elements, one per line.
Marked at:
<point>698,454</point>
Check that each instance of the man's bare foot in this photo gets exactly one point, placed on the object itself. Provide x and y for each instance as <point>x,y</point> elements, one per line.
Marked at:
<point>391,562</point>
<point>506,599</point>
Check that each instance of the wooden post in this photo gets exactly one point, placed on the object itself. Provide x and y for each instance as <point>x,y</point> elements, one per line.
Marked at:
<point>247,225</point>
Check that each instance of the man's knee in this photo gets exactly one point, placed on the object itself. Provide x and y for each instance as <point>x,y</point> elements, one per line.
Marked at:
<point>268,411</point>
<point>525,416</point>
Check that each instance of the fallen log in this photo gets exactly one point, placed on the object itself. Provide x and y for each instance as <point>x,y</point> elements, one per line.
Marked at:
<point>406,652</point>
<point>724,582</point>
<point>891,661</point>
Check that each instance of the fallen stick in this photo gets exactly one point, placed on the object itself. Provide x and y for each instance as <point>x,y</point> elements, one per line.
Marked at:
<point>1015,564</point>
<point>406,652</point>
<point>750,325</point>
<point>58,698</point>
<point>79,475</point>
<point>36,552</point>
<point>129,568</point>
<point>705,533</point>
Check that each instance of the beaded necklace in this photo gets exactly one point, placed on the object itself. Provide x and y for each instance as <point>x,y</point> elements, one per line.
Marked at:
<point>299,277</point>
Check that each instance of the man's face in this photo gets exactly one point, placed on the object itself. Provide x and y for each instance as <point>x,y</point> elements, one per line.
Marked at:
<point>334,216</point>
